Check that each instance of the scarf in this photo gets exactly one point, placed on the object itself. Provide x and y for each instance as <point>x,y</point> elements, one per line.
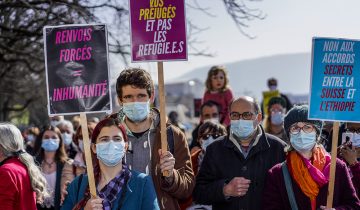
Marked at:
<point>110,191</point>
<point>310,175</point>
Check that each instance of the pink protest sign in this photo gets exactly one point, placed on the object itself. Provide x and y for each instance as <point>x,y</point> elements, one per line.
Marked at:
<point>158,30</point>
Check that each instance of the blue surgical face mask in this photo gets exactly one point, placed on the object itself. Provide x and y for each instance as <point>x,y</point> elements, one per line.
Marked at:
<point>303,142</point>
<point>110,153</point>
<point>67,138</point>
<point>136,111</point>
<point>207,142</point>
<point>30,137</point>
<point>277,118</point>
<point>242,128</point>
<point>50,145</point>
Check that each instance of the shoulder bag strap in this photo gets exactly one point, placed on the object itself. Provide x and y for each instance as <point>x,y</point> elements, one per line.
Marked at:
<point>288,185</point>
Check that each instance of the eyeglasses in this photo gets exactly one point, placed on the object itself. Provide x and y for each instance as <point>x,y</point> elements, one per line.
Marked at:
<point>214,135</point>
<point>244,115</point>
<point>307,128</point>
<point>353,130</point>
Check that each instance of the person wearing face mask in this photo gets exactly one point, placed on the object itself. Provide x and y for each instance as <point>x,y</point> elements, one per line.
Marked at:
<point>32,134</point>
<point>79,159</point>
<point>232,173</point>
<point>274,122</point>
<point>301,182</point>
<point>135,93</point>
<point>272,85</point>
<point>209,111</point>
<point>55,165</point>
<point>67,131</point>
<point>117,186</point>
<point>209,132</point>
<point>349,151</point>
<point>55,120</point>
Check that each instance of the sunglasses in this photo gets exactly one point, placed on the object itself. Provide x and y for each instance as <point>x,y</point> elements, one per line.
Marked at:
<point>214,135</point>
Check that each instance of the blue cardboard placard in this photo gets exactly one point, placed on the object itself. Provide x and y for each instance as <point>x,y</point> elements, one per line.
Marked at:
<point>335,80</point>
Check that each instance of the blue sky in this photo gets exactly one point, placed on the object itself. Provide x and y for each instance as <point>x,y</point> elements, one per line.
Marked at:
<point>288,28</point>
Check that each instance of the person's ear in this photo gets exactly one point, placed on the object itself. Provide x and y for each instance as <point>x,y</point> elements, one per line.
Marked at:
<point>126,146</point>
<point>119,101</point>
<point>259,117</point>
<point>152,97</point>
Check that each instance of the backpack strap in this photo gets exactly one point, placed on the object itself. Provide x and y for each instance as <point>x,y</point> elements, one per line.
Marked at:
<point>170,139</point>
<point>288,185</point>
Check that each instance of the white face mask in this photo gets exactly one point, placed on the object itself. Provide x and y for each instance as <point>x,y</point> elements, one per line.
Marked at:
<point>213,120</point>
<point>54,123</point>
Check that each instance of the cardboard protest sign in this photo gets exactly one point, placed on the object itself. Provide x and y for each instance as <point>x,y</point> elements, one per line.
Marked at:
<point>335,73</point>
<point>267,95</point>
<point>77,72</point>
<point>158,30</point>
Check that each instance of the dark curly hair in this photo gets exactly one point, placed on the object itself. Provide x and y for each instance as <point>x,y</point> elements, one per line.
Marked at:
<point>135,77</point>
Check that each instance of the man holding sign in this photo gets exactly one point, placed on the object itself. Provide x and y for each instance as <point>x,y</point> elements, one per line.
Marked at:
<point>135,91</point>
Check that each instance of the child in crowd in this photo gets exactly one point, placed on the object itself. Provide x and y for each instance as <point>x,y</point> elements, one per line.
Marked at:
<point>218,90</point>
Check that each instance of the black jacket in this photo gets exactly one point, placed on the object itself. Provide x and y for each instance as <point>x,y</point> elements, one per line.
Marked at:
<point>223,161</point>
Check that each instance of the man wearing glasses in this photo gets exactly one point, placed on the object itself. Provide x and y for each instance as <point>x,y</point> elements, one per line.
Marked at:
<point>233,171</point>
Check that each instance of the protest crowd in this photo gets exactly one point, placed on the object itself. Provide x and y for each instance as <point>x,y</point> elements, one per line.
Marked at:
<point>237,158</point>
<point>241,154</point>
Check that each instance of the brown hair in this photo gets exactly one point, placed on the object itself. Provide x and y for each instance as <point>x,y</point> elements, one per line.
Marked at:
<point>107,122</point>
<point>78,134</point>
<point>210,127</point>
<point>60,155</point>
<point>136,77</point>
<point>213,72</point>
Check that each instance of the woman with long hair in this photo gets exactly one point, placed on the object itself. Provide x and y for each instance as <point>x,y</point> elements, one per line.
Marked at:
<point>56,166</point>
<point>117,186</point>
<point>22,184</point>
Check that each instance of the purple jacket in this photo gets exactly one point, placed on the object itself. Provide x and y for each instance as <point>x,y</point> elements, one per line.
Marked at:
<point>355,170</point>
<point>275,194</point>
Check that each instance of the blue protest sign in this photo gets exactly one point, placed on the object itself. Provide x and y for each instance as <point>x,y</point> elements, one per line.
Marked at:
<point>335,80</point>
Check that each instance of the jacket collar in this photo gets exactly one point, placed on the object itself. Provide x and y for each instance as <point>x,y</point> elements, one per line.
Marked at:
<point>260,143</point>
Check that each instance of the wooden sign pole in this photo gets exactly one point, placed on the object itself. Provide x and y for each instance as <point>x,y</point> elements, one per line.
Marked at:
<point>334,144</point>
<point>88,159</point>
<point>164,144</point>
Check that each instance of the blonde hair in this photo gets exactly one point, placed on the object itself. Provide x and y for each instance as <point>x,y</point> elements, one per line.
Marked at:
<point>12,144</point>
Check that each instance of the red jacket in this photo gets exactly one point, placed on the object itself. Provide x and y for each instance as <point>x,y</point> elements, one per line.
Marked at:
<point>15,186</point>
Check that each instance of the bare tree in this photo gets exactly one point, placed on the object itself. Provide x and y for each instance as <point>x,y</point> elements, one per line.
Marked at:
<point>22,75</point>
